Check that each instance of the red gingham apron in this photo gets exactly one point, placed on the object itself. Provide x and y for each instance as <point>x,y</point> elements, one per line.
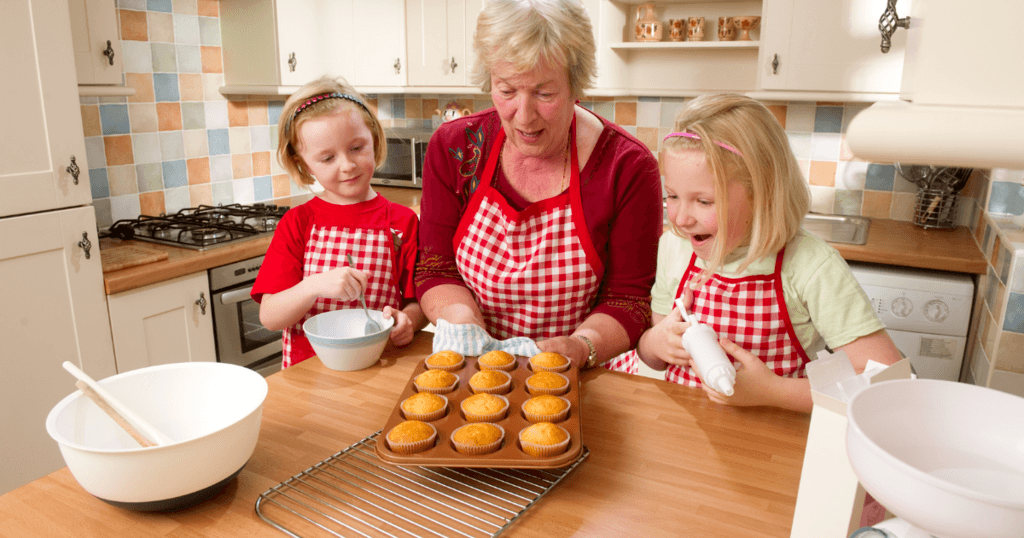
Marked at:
<point>535,273</point>
<point>372,250</point>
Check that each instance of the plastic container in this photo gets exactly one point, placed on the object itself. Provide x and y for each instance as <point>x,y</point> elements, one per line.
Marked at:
<point>701,342</point>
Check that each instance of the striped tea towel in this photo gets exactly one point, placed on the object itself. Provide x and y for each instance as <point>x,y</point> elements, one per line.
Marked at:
<point>473,340</point>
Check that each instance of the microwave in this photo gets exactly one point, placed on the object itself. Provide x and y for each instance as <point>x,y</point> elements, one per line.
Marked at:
<point>403,166</point>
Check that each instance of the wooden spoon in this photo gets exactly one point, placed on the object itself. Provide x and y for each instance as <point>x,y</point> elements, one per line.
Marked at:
<point>117,410</point>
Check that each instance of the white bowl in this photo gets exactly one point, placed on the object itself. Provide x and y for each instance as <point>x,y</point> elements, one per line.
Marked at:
<point>211,410</point>
<point>340,340</point>
<point>946,457</point>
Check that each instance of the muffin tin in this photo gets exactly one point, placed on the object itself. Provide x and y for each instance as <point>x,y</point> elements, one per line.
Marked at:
<point>443,453</point>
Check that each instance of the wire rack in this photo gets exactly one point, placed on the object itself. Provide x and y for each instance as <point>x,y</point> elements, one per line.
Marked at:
<point>353,493</point>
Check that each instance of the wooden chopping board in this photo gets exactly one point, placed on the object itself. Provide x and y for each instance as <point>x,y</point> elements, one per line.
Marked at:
<point>120,257</point>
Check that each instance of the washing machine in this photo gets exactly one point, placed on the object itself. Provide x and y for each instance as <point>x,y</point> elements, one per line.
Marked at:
<point>926,313</point>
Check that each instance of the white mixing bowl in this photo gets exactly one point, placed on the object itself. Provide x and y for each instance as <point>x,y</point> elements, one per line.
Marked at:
<point>340,340</point>
<point>211,410</point>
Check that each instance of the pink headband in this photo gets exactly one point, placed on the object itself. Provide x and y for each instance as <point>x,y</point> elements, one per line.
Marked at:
<point>722,145</point>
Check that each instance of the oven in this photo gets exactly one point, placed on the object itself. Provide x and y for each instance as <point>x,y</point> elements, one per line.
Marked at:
<point>240,337</point>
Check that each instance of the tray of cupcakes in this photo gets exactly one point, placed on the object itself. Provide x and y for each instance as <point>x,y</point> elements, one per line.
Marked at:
<point>495,410</point>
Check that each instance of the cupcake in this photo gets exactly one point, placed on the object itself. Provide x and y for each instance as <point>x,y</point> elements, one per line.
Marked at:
<point>485,407</point>
<point>436,382</point>
<point>411,436</point>
<point>546,408</point>
<point>547,383</point>
<point>478,438</point>
<point>424,406</point>
<point>549,362</point>
<point>490,381</point>
<point>544,440</point>
<point>497,360</point>
<point>449,361</point>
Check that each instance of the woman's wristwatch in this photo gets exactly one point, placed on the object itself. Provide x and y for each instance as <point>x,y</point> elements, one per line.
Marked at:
<point>592,357</point>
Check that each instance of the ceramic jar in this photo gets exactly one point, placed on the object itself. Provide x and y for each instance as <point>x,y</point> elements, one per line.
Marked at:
<point>726,30</point>
<point>648,27</point>
<point>677,29</point>
<point>696,30</point>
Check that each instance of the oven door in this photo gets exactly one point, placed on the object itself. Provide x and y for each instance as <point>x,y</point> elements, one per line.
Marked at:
<point>241,339</point>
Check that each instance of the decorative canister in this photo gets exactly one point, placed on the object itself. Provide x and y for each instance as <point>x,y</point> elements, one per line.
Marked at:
<point>726,30</point>
<point>677,29</point>
<point>648,27</point>
<point>696,31</point>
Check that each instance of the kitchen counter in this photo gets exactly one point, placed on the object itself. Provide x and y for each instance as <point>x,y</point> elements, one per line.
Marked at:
<point>888,242</point>
<point>664,461</point>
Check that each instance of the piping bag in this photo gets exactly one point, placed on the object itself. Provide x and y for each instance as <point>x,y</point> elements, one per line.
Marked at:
<point>701,342</point>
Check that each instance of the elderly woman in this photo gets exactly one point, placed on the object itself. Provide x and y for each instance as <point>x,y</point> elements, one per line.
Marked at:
<point>539,218</point>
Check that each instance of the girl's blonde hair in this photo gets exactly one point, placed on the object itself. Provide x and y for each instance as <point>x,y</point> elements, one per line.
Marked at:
<point>765,166</point>
<point>296,111</point>
<point>527,33</point>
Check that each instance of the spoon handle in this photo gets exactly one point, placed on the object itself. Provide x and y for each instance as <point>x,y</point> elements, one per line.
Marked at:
<point>120,420</point>
<point>151,432</point>
<point>362,300</point>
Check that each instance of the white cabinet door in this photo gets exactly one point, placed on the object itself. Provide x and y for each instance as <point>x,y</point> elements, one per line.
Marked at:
<point>378,44</point>
<point>163,323</point>
<point>436,31</point>
<point>52,309</point>
<point>829,47</point>
<point>96,41</point>
<point>42,151</point>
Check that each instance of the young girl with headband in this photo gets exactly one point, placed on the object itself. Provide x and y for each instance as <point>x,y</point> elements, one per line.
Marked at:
<point>737,256</point>
<point>328,135</point>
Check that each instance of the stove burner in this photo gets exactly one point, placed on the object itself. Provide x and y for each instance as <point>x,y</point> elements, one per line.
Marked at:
<point>268,224</point>
<point>204,226</point>
<point>208,235</point>
<point>163,233</point>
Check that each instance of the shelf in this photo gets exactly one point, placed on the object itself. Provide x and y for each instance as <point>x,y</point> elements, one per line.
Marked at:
<point>663,45</point>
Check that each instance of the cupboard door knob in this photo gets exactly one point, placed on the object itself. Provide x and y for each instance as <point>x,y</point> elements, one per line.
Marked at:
<point>109,53</point>
<point>292,62</point>
<point>85,244</point>
<point>888,24</point>
<point>454,65</point>
<point>73,169</point>
<point>201,303</point>
<point>398,66</point>
<point>775,65</point>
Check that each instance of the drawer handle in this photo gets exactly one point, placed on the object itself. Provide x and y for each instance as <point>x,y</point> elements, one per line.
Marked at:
<point>888,24</point>
<point>109,53</point>
<point>85,245</point>
<point>201,303</point>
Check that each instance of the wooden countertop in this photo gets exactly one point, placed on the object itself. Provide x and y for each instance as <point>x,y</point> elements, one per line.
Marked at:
<point>889,242</point>
<point>664,461</point>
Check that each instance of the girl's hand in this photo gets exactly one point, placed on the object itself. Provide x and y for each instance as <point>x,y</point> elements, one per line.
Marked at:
<point>343,283</point>
<point>755,383</point>
<point>403,331</point>
<point>666,339</point>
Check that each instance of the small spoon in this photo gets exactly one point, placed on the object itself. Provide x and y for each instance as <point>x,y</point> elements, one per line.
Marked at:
<point>139,429</point>
<point>371,326</point>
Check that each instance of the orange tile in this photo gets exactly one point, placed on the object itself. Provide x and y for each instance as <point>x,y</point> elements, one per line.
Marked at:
<point>200,195</point>
<point>190,86</point>
<point>429,107</point>
<point>261,163</point>
<point>161,27</point>
<point>91,120</point>
<point>829,103</point>
<point>979,231</point>
<point>281,185</point>
<point>414,109</point>
<point>625,113</point>
<point>143,85</point>
<point>152,203</point>
<point>649,136</point>
<point>599,98</point>
<point>823,173</point>
<point>779,111</point>
<point>198,170</point>
<point>208,8</point>
<point>241,165</point>
<point>238,113</point>
<point>169,116</point>
<point>118,150</point>
<point>994,256</point>
<point>212,60</point>
<point>133,26</point>
<point>876,204</point>
<point>257,113</point>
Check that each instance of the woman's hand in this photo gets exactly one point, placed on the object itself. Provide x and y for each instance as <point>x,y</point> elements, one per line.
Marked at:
<point>572,348</point>
<point>755,383</point>
<point>343,283</point>
<point>404,329</point>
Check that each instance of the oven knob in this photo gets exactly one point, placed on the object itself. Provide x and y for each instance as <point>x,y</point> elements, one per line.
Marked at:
<point>936,311</point>
<point>902,307</point>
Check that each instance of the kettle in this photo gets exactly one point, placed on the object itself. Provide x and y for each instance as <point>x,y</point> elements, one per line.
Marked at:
<point>452,111</point>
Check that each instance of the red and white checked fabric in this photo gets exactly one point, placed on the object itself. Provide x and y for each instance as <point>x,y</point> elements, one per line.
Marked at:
<point>372,253</point>
<point>529,271</point>
<point>750,311</point>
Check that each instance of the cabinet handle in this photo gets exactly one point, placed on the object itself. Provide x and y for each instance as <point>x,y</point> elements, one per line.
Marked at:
<point>454,65</point>
<point>85,244</point>
<point>109,53</point>
<point>888,24</point>
<point>201,303</point>
<point>292,62</point>
<point>73,169</point>
<point>398,66</point>
<point>775,65</point>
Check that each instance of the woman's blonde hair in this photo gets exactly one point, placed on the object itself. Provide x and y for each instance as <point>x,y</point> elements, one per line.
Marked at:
<point>527,33</point>
<point>765,166</point>
<point>303,105</point>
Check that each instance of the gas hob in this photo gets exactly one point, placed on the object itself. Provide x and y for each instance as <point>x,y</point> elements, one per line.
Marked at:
<point>203,227</point>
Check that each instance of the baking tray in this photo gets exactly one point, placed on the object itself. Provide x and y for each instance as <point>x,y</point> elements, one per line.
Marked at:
<point>510,455</point>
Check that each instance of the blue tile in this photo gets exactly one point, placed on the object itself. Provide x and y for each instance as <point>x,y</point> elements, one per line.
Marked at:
<point>1014,320</point>
<point>219,144</point>
<point>175,174</point>
<point>98,183</point>
<point>1004,264</point>
<point>274,111</point>
<point>828,119</point>
<point>263,189</point>
<point>1006,198</point>
<point>165,87</point>
<point>114,119</point>
<point>880,177</point>
<point>167,6</point>
<point>398,108</point>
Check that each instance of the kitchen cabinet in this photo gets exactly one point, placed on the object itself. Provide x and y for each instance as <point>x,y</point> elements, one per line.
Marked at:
<point>53,310</point>
<point>163,323</point>
<point>815,46</point>
<point>96,41</point>
<point>378,44</point>
<point>439,36</point>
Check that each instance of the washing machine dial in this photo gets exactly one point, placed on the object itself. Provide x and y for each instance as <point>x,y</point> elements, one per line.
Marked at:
<point>936,310</point>
<point>902,307</point>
